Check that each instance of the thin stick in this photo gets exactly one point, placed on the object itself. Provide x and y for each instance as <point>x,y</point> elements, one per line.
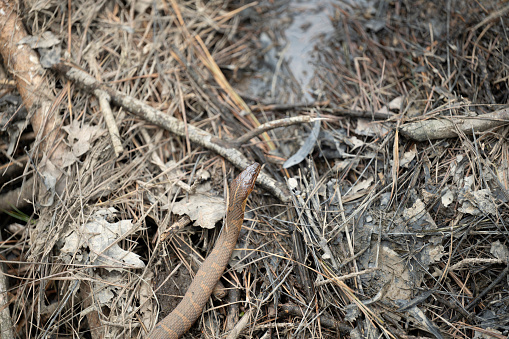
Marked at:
<point>241,325</point>
<point>104,102</point>
<point>346,276</point>
<point>271,125</point>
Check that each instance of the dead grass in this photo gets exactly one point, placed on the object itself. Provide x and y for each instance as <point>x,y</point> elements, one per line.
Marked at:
<point>384,235</point>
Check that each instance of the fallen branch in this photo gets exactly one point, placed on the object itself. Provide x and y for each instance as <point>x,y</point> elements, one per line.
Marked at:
<point>450,127</point>
<point>171,124</point>
<point>241,325</point>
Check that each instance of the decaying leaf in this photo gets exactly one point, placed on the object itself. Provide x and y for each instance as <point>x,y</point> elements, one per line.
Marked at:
<point>396,103</point>
<point>417,217</point>
<point>105,288</point>
<point>308,146</point>
<point>50,175</point>
<point>500,251</point>
<point>408,156</point>
<point>369,128</point>
<point>204,209</point>
<point>79,139</point>
<point>417,211</point>
<point>100,240</point>
<point>45,40</point>
<point>145,292</point>
<point>478,203</point>
<point>432,254</point>
<point>362,185</point>
<point>447,198</point>
<point>393,274</point>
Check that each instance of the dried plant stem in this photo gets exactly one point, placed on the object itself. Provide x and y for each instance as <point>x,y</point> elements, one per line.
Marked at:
<point>346,276</point>
<point>474,261</point>
<point>271,125</point>
<point>324,107</point>
<point>299,202</point>
<point>104,102</point>
<point>171,124</point>
<point>241,325</point>
<point>93,316</point>
<point>478,298</point>
<point>232,316</point>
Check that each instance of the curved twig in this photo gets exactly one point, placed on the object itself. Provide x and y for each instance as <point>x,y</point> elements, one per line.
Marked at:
<point>271,125</point>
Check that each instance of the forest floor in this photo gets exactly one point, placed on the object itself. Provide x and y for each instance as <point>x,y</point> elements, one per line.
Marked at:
<point>381,126</point>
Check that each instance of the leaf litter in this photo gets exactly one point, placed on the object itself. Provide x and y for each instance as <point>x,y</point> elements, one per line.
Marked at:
<point>384,236</point>
<point>96,243</point>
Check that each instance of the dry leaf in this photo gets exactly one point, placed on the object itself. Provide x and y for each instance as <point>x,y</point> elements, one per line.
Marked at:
<point>500,251</point>
<point>408,156</point>
<point>393,271</point>
<point>396,103</point>
<point>102,240</point>
<point>79,139</point>
<point>50,175</point>
<point>478,203</point>
<point>355,142</point>
<point>204,209</point>
<point>45,40</point>
<point>361,185</point>
<point>370,128</point>
<point>447,198</point>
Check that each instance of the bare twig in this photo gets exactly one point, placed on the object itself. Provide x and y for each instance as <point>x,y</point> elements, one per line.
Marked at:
<point>93,315</point>
<point>262,106</point>
<point>271,125</point>
<point>232,316</point>
<point>31,83</point>
<point>479,261</point>
<point>176,226</point>
<point>359,114</point>
<point>493,16</point>
<point>481,295</point>
<point>346,276</point>
<point>324,107</point>
<point>104,102</point>
<point>244,321</point>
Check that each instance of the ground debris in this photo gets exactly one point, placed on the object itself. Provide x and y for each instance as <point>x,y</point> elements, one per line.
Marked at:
<point>383,205</point>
